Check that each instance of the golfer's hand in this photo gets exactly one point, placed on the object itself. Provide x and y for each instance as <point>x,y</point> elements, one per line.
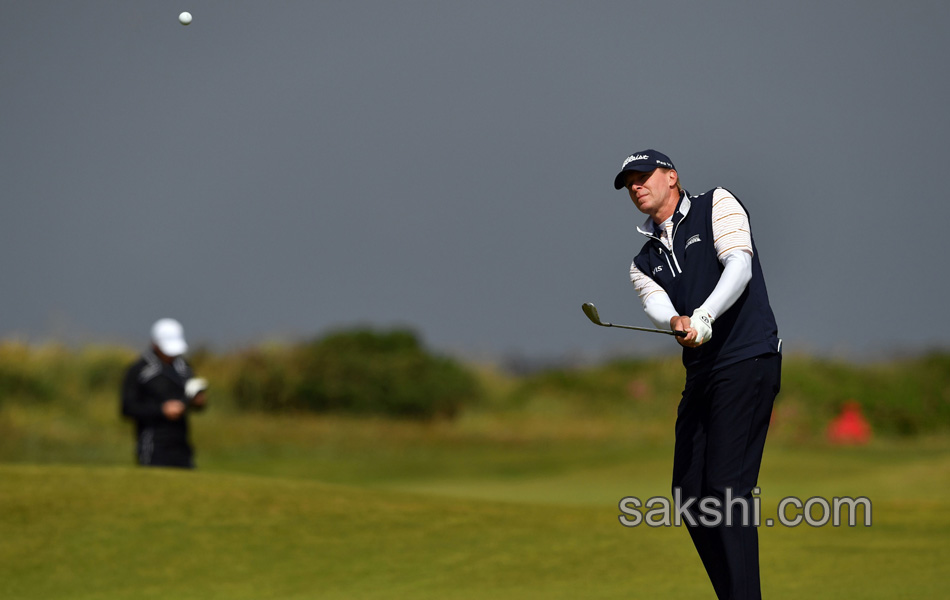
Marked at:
<point>682,323</point>
<point>173,409</point>
<point>702,322</point>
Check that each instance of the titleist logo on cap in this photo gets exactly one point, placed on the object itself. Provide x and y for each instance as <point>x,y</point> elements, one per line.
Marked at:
<point>632,158</point>
<point>636,157</point>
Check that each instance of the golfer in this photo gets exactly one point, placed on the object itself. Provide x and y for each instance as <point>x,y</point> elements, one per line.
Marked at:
<point>158,392</point>
<point>699,272</point>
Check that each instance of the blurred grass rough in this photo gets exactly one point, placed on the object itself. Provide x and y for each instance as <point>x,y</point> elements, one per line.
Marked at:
<point>392,374</point>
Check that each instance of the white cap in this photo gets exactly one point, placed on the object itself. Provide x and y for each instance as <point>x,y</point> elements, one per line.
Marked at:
<point>169,336</point>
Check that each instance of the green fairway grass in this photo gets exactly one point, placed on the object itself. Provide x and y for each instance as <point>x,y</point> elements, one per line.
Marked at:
<point>507,525</point>
<point>516,498</point>
<point>83,532</point>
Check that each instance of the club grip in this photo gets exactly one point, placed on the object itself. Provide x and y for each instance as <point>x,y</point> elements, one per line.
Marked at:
<point>679,333</point>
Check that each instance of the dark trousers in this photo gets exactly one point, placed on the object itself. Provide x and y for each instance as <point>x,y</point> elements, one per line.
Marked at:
<point>166,452</point>
<point>721,426</point>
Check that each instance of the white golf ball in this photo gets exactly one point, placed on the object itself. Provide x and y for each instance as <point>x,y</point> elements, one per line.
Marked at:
<point>184,18</point>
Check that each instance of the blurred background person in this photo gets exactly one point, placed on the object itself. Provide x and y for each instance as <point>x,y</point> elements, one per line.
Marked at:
<point>158,392</point>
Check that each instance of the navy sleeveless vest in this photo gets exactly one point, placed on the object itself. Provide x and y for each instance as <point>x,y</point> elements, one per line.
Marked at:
<point>690,273</point>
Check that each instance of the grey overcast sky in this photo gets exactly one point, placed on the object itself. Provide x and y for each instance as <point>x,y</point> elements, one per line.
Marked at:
<point>279,169</point>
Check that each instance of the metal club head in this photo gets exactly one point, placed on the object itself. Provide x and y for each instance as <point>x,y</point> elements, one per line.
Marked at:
<point>591,311</point>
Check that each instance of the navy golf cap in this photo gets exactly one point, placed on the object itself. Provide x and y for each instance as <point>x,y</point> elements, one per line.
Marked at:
<point>647,160</point>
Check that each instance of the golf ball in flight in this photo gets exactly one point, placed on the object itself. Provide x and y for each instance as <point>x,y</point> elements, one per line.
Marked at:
<point>184,18</point>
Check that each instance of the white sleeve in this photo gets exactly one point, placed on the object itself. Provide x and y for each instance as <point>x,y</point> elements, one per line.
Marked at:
<point>730,225</point>
<point>733,241</point>
<point>656,302</point>
<point>733,281</point>
<point>660,310</point>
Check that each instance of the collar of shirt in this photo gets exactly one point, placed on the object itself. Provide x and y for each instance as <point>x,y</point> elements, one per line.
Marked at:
<point>649,228</point>
<point>155,365</point>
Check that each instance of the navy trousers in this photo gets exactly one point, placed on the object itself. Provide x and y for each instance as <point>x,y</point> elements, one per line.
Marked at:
<point>721,426</point>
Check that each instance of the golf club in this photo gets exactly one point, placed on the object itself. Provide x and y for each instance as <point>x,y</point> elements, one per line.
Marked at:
<point>591,311</point>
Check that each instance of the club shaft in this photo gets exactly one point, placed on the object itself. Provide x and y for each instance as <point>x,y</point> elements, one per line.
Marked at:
<point>667,332</point>
<point>591,311</point>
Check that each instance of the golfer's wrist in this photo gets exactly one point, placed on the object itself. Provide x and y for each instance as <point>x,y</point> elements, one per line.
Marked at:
<point>679,323</point>
<point>702,310</point>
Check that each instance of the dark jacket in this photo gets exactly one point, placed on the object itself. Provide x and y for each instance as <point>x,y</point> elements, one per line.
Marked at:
<point>747,329</point>
<point>147,385</point>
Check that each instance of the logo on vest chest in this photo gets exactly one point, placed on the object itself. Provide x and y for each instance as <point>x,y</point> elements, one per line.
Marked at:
<point>692,240</point>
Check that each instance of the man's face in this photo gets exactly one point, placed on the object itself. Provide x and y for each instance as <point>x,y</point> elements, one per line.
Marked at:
<point>653,192</point>
<point>162,356</point>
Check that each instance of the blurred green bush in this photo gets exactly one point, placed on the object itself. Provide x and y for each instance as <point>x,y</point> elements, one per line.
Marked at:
<point>359,371</point>
<point>901,397</point>
<point>391,373</point>
<point>54,373</point>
